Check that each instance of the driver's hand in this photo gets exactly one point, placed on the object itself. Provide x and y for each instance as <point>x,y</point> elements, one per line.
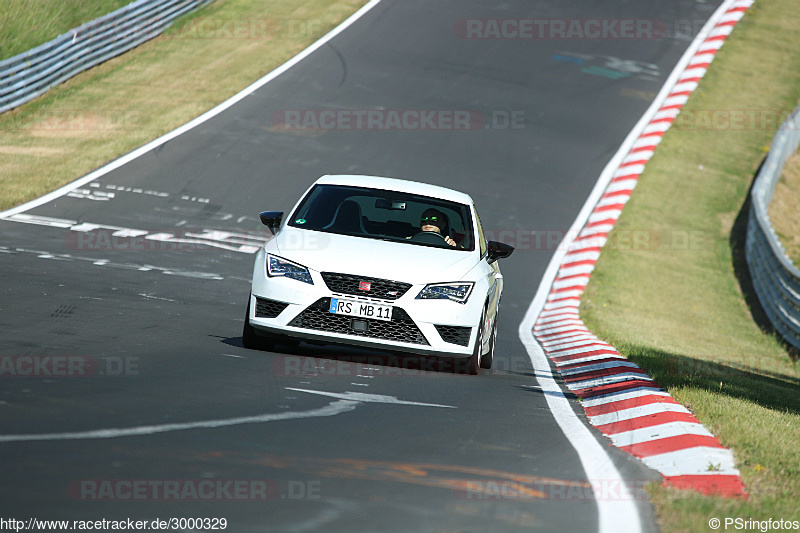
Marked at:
<point>449,241</point>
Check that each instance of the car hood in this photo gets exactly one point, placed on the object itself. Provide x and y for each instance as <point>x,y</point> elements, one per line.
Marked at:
<point>328,252</point>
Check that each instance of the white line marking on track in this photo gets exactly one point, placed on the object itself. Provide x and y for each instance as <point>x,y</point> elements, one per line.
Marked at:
<point>615,515</point>
<point>334,408</point>
<point>127,266</point>
<point>370,398</point>
<point>151,297</point>
<point>226,240</point>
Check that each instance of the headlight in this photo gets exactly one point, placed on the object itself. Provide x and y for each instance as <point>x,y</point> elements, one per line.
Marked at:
<point>457,292</point>
<point>278,266</point>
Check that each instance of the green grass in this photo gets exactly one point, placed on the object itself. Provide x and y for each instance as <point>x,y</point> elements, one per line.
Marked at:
<point>25,24</point>
<point>127,101</point>
<point>682,308</point>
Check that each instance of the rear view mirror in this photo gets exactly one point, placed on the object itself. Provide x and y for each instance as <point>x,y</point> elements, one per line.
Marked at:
<point>272,220</point>
<point>498,250</point>
<point>386,203</point>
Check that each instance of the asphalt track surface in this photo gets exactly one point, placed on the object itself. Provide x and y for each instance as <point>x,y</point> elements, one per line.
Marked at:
<point>163,326</point>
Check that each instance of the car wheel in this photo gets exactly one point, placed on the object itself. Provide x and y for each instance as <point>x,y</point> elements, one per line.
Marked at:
<point>488,357</point>
<point>251,339</point>
<point>475,364</point>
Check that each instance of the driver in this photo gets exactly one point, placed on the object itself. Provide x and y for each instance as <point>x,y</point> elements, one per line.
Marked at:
<point>435,221</point>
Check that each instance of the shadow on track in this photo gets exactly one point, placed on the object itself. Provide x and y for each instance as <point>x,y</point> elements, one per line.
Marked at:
<point>304,358</point>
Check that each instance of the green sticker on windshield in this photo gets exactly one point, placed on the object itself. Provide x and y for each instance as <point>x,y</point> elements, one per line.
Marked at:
<point>300,221</point>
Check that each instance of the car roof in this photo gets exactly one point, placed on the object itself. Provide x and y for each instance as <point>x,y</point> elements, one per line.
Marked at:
<point>394,184</point>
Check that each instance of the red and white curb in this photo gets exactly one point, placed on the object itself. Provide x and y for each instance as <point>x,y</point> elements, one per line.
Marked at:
<point>619,398</point>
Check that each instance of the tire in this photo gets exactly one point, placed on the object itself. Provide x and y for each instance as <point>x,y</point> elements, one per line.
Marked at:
<point>252,340</point>
<point>475,361</point>
<point>488,358</point>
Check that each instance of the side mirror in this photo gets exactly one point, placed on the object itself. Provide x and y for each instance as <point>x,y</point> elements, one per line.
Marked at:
<point>498,250</point>
<point>272,220</point>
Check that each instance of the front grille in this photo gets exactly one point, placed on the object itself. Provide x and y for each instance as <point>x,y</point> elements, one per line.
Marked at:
<point>266,308</point>
<point>379,288</point>
<point>401,328</point>
<point>455,334</point>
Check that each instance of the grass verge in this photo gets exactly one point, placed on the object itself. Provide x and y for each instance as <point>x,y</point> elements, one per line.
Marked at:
<point>123,103</point>
<point>783,210</point>
<point>25,24</point>
<point>682,306</point>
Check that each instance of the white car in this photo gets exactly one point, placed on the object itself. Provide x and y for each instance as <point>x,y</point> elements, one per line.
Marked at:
<point>382,263</point>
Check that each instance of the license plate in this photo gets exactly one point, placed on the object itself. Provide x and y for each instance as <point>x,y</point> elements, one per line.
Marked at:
<point>340,306</point>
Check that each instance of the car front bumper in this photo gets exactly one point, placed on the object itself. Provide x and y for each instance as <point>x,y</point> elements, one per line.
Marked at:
<point>296,309</point>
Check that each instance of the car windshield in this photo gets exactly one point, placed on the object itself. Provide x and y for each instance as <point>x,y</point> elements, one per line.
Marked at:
<point>386,215</point>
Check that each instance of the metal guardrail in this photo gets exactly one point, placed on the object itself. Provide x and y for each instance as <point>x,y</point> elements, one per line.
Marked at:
<point>775,279</point>
<point>30,74</point>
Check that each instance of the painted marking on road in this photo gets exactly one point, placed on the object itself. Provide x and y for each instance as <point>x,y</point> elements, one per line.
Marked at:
<point>345,402</point>
<point>133,190</point>
<point>610,66</point>
<point>195,199</point>
<point>214,238</point>
<point>332,409</point>
<point>151,297</point>
<point>370,398</point>
<point>89,194</point>
<point>126,266</point>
